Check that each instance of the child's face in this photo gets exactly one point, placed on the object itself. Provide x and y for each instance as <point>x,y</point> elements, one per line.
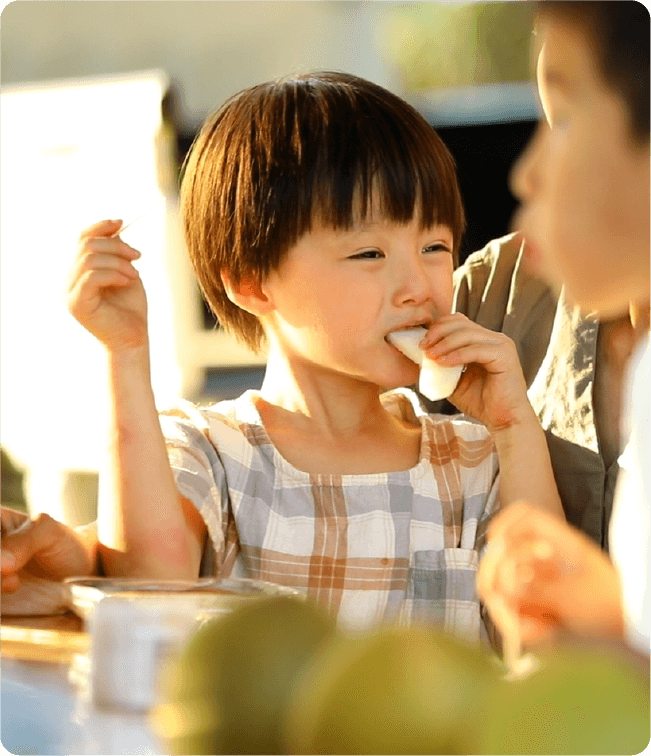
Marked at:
<point>583,183</point>
<point>337,295</point>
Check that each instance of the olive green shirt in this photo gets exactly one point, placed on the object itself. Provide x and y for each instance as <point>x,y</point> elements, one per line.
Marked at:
<point>558,351</point>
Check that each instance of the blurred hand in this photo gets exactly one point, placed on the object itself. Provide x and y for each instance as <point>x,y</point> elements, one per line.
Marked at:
<point>36,555</point>
<point>105,293</point>
<point>492,389</point>
<point>552,578</point>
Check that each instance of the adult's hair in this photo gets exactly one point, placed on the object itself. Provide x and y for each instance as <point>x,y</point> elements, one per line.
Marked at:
<point>320,146</point>
<point>618,34</point>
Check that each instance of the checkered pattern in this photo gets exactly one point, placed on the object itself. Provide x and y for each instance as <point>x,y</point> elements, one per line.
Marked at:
<point>387,546</point>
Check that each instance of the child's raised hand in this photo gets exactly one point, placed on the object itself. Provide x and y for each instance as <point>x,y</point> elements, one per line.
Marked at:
<point>552,576</point>
<point>105,293</point>
<point>492,389</point>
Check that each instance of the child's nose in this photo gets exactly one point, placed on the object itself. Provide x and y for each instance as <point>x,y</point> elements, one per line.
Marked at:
<point>415,287</point>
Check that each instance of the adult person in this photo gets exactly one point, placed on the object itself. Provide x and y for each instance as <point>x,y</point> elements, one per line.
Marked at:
<point>573,364</point>
<point>584,187</point>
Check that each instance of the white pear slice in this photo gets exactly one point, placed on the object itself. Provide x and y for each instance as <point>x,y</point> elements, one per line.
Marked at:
<point>436,381</point>
<point>407,341</point>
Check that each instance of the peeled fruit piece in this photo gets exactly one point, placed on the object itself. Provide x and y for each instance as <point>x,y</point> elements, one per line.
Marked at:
<point>436,381</point>
<point>399,690</point>
<point>228,690</point>
<point>587,700</point>
<point>407,341</point>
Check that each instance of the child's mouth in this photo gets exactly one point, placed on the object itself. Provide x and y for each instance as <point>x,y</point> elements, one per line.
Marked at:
<point>406,341</point>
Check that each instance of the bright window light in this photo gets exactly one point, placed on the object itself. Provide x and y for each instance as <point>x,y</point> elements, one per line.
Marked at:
<point>73,153</point>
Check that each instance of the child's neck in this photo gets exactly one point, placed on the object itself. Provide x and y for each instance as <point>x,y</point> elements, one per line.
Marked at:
<point>326,423</point>
<point>327,402</point>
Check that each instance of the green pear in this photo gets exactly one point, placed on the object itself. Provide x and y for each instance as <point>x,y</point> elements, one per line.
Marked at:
<point>590,700</point>
<point>395,691</point>
<point>227,691</point>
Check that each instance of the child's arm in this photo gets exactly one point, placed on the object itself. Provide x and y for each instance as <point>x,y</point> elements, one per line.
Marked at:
<point>145,528</point>
<point>526,470</point>
<point>493,391</point>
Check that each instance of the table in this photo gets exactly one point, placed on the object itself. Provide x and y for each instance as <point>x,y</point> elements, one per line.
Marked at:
<point>45,706</point>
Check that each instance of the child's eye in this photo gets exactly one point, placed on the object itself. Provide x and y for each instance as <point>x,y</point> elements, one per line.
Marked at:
<point>368,254</point>
<point>434,248</point>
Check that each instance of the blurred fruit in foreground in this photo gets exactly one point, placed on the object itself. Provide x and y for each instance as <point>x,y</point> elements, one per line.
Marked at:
<point>228,690</point>
<point>587,700</point>
<point>400,690</point>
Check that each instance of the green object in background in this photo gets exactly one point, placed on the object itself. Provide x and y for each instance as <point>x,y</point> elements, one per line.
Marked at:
<point>455,44</point>
<point>397,691</point>
<point>228,691</point>
<point>579,701</point>
<point>13,494</point>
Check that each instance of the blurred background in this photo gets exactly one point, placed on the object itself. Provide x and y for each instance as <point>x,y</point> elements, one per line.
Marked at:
<point>100,103</point>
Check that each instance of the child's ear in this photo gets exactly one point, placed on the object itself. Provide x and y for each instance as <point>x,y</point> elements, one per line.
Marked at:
<point>248,295</point>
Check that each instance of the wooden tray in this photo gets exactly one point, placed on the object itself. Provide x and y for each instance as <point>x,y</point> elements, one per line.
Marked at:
<point>55,639</point>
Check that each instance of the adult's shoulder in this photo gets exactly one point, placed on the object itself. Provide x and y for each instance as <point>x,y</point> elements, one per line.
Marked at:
<point>496,288</point>
<point>503,252</point>
<point>484,282</point>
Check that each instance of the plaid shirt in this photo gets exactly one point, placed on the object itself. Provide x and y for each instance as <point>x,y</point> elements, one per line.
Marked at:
<point>397,546</point>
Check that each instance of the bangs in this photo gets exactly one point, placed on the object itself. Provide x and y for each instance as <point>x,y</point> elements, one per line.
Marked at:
<point>383,164</point>
<point>325,147</point>
<point>338,152</point>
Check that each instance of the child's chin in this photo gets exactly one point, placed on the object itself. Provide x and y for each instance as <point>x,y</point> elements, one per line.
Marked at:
<point>406,378</point>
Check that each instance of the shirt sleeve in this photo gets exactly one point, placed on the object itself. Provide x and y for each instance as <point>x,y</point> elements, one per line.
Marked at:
<point>198,471</point>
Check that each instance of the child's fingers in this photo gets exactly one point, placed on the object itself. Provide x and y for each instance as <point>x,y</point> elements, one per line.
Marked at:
<point>91,283</point>
<point>448,324</point>
<point>100,261</point>
<point>495,358</point>
<point>91,275</point>
<point>467,337</point>
<point>110,246</point>
<point>86,293</point>
<point>104,228</point>
<point>455,333</point>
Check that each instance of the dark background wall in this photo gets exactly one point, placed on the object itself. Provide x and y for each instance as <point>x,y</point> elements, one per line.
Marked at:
<point>485,154</point>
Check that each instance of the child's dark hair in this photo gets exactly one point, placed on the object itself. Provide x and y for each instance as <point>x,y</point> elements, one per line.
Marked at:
<point>618,32</point>
<point>278,156</point>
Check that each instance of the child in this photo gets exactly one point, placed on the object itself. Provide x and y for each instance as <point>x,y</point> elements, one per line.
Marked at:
<point>584,186</point>
<point>321,214</point>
